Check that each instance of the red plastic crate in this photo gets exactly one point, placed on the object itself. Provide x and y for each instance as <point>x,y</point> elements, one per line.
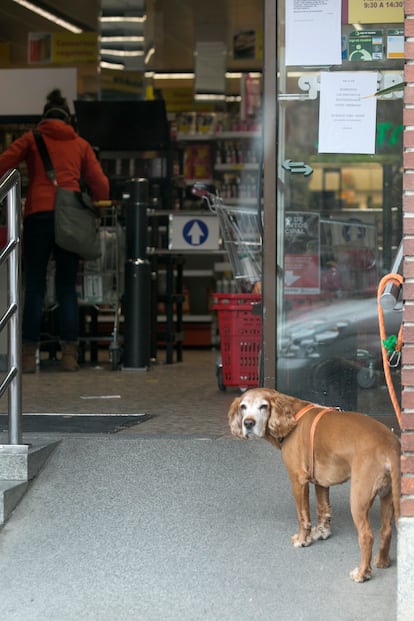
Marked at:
<point>240,336</point>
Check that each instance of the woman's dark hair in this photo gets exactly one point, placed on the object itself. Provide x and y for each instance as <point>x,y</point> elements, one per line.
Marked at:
<point>56,107</point>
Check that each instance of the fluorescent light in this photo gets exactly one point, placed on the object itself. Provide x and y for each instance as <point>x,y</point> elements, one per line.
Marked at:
<point>120,19</point>
<point>116,66</point>
<point>50,16</point>
<point>191,76</point>
<point>111,52</point>
<point>149,55</point>
<point>122,39</point>
<point>174,76</point>
<point>238,74</point>
<point>209,97</point>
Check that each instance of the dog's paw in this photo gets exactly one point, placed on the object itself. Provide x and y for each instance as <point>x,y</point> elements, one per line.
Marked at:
<point>320,532</point>
<point>300,542</point>
<point>358,576</point>
<point>382,563</point>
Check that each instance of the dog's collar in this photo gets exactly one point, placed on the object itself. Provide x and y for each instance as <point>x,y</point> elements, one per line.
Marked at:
<point>305,409</point>
<point>299,415</point>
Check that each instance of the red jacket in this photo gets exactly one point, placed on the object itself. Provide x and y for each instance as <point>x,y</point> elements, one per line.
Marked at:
<point>72,158</point>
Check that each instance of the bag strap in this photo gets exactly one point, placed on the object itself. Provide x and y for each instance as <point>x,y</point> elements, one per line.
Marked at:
<point>44,154</point>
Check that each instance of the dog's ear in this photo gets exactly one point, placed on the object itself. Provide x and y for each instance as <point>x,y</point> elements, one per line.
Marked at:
<point>281,420</point>
<point>235,418</point>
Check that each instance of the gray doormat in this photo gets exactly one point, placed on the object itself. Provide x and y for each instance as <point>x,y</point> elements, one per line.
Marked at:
<point>58,423</point>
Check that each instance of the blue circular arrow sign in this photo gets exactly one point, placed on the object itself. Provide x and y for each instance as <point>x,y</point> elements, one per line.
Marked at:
<point>195,232</point>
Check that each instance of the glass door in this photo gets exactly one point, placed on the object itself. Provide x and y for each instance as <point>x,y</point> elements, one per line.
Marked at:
<point>339,195</point>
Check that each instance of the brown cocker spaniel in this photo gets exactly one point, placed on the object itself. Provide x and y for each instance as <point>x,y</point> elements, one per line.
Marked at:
<point>327,447</point>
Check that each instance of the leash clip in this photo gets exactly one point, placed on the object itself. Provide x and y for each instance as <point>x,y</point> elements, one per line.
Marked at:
<point>394,359</point>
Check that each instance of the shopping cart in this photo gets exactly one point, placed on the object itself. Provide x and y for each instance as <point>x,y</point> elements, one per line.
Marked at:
<point>239,314</point>
<point>240,229</point>
<point>101,282</point>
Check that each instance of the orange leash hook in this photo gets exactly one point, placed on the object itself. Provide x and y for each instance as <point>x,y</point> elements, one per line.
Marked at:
<point>395,279</point>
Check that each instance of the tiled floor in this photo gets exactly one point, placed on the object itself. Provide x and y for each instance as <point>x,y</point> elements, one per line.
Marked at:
<point>183,398</point>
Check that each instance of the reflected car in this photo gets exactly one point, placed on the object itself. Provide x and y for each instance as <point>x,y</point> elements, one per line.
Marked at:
<point>327,353</point>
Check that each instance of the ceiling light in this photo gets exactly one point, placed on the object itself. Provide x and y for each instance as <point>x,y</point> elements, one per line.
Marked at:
<point>174,76</point>
<point>120,19</point>
<point>111,52</point>
<point>122,39</point>
<point>239,74</point>
<point>52,17</point>
<point>149,55</point>
<point>209,97</point>
<point>106,65</point>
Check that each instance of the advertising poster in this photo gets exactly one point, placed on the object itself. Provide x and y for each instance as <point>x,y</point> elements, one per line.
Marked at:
<point>62,48</point>
<point>302,253</point>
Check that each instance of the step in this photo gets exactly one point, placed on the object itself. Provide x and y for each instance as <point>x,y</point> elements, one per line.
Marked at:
<point>19,464</point>
<point>11,492</point>
<point>22,462</point>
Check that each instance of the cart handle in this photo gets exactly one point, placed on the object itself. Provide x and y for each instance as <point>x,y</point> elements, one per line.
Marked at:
<point>102,203</point>
<point>199,189</point>
<point>211,199</point>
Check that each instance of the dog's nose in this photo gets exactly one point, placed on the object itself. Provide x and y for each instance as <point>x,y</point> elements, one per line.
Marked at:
<point>249,423</point>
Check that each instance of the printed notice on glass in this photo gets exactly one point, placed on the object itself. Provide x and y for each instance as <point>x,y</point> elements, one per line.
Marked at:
<point>313,32</point>
<point>347,112</point>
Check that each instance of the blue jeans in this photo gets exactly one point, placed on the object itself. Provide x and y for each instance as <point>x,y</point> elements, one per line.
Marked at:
<point>38,245</point>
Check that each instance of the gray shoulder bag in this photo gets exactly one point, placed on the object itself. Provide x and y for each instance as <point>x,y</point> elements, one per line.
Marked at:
<point>76,219</point>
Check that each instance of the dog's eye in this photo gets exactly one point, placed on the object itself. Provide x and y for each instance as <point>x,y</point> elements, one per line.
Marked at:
<point>242,406</point>
<point>264,406</point>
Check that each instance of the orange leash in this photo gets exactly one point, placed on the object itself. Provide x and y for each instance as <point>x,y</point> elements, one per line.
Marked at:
<point>395,279</point>
<point>316,420</point>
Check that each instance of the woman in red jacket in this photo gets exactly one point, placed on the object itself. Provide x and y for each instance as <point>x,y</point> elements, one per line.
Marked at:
<point>73,158</point>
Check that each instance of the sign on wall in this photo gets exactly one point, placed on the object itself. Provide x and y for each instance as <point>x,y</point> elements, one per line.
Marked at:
<point>62,48</point>
<point>193,232</point>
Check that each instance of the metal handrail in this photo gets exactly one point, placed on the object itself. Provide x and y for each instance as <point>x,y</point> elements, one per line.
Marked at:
<point>10,187</point>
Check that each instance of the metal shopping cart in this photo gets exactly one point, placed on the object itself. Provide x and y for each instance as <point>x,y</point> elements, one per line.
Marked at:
<point>241,233</point>
<point>101,282</point>
<point>239,314</point>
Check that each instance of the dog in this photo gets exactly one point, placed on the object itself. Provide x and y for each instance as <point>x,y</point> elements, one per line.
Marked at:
<point>327,446</point>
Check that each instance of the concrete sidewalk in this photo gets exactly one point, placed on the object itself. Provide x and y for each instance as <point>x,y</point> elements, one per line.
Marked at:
<point>139,528</point>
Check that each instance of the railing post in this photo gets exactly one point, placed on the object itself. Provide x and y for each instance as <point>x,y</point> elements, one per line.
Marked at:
<point>15,330</point>
<point>10,187</point>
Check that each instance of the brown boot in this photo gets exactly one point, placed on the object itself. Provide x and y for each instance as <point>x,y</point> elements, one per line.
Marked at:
<point>29,350</point>
<point>69,356</point>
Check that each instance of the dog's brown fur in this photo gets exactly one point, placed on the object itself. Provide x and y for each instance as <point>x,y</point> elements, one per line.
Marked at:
<point>347,445</point>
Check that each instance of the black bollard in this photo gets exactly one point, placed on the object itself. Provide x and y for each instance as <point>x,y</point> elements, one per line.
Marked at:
<point>137,299</point>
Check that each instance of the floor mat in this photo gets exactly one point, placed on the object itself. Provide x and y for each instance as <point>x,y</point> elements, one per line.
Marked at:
<point>58,423</point>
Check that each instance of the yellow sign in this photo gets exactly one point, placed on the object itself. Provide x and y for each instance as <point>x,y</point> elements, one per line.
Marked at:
<point>178,99</point>
<point>375,11</point>
<point>74,49</point>
<point>122,81</point>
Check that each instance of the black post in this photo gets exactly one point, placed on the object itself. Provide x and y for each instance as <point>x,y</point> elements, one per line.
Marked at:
<point>137,278</point>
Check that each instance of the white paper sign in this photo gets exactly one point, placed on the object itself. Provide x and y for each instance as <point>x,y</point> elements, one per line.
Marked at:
<point>347,112</point>
<point>313,32</point>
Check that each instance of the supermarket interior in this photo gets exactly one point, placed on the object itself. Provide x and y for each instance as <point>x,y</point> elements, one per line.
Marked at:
<point>171,94</point>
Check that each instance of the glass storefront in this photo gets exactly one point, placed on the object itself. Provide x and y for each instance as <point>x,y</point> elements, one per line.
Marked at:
<point>339,200</point>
